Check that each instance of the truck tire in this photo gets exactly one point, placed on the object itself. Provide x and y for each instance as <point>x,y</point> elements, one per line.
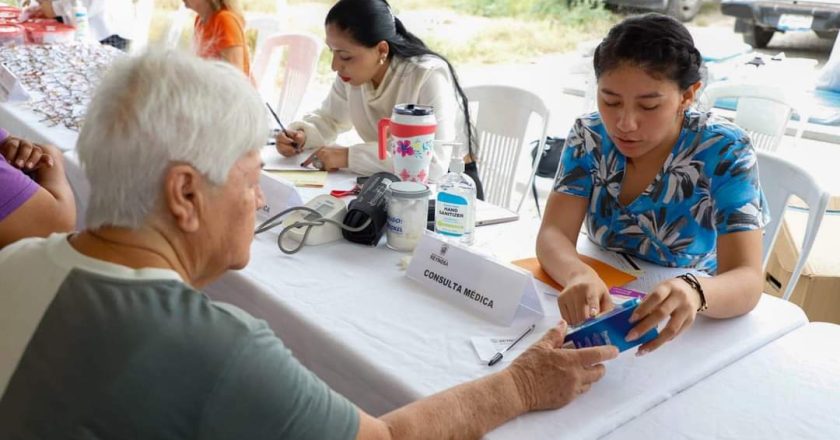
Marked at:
<point>683,10</point>
<point>757,36</point>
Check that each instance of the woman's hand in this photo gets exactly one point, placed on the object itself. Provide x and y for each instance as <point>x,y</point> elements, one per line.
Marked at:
<point>27,156</point>
<point>673,298</point>
<point>289,146</point>
<point>332,158</point>
<point>584,296</point>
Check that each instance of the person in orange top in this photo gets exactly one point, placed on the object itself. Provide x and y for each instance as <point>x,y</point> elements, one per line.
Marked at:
<point>220,32</point>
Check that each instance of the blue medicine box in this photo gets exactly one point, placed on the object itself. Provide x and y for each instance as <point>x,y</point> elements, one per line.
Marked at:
<point>609,329</point>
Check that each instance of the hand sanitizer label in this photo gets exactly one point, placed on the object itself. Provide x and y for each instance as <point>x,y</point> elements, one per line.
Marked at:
<point>452,214</point>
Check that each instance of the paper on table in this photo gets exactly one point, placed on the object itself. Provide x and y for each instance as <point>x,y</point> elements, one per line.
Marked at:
<point>490,214</point>
<point>273,161</point>
<point>647,276</point>
<point>302,178</point>
<point>657,274</point>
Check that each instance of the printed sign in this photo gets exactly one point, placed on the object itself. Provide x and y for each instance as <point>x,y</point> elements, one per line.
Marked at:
<point>10,87</point>
<point>480,284</point>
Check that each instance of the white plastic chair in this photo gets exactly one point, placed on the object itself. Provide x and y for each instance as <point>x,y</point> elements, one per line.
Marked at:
<point>265,25</point>
<point>780,180</point>
<point>763,110</point>
<point>501,119</point>
<point>301,60</point>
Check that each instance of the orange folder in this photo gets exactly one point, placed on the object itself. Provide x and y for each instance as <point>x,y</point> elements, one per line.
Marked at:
<point>612,277</point>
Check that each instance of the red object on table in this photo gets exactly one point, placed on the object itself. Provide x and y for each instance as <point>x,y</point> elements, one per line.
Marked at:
<point>345,193</point>
<point>11,34</point>
<point>49,31</point>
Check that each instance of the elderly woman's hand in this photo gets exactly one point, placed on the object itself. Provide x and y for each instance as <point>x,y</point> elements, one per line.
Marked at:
<point>548,376</point>
<point>27,156</point>
<point>289,146</point>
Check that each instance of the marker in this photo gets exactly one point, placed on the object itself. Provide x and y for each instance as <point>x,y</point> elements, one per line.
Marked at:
<point>498,356</point>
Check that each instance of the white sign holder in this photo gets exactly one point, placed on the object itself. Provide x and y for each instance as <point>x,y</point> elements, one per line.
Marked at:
<point>11,89</point>
<point>492,289</point>
<point>279,195</point>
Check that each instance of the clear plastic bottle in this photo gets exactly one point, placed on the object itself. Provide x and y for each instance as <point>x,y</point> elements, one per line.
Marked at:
<point>80,20</point>
<point>455,204</point>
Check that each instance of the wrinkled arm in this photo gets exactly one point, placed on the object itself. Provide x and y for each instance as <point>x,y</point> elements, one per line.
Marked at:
<point>544,377</point>
<point>465,412</point>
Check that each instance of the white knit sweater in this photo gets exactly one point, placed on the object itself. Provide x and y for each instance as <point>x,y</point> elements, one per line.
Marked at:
<point>420,80</point>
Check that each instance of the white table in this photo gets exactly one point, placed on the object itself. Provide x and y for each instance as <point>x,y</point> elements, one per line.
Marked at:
<point>349,314</point>
<point>788,389</point>
<point>22,122</point>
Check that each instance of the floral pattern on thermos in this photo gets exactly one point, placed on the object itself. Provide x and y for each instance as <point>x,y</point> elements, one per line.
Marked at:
<point>418,150</point>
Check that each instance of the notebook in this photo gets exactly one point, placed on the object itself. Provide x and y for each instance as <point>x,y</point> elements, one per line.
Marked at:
<point>490,214</point>
<point>302,178</point>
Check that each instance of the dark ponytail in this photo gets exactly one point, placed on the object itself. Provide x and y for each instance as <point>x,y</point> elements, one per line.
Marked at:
<point>371,21</point>
<point>659,44</point>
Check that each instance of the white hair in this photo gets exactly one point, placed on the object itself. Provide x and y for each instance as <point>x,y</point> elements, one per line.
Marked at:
<point>155,109</point>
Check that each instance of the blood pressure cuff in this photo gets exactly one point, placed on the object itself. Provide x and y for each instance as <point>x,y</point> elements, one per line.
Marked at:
<point>371,203</point>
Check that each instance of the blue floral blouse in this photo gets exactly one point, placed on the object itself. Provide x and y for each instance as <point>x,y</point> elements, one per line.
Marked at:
<point>708,186</point>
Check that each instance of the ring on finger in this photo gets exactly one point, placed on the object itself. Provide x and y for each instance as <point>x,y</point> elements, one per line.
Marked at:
<point>318,163</point>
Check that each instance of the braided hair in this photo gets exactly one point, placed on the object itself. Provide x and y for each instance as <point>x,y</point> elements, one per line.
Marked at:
<point>371,21</point>
<point>657,43</point>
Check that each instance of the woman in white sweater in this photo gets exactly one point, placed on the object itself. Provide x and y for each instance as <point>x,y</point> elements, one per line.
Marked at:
<point>380,64</point>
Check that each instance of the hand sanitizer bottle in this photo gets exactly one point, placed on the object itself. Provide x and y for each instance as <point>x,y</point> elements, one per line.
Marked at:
<point>455,204</point>
<point>80,20</point>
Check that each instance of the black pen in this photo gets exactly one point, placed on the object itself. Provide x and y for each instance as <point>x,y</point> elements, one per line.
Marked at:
<point>498,356</point>
<point>630,260</point>
<point>282,127</point>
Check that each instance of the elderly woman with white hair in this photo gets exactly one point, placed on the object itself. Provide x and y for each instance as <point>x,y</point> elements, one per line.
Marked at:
<point>104,334</point>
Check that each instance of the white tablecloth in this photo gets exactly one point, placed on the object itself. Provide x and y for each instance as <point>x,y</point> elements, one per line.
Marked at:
<point>349,314</point>
<point>788,389</point>
<point>22,122</point>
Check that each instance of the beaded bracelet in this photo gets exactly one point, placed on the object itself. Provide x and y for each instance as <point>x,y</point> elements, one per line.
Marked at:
<point>695,284</point>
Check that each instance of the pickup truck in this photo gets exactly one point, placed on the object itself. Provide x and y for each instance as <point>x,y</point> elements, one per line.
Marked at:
<point>758,20</point>
<point>683,10</point>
